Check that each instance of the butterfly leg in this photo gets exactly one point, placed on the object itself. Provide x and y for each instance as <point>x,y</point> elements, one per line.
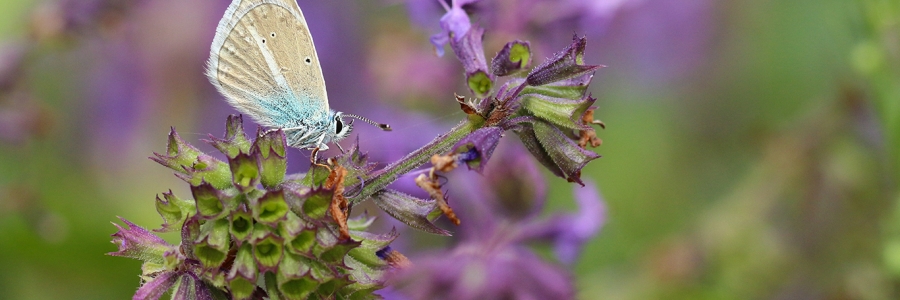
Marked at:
<point>314,156</point>
<point>271,130</point>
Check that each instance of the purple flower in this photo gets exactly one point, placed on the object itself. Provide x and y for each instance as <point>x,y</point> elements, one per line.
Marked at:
<point>513,191</point>
<point>455,23</point>
<point>511,186</point>
<point>569,232</point>
<point>492,259</point>
<point>68,17</point>
<point>478,146</point>
<point>475,270</point>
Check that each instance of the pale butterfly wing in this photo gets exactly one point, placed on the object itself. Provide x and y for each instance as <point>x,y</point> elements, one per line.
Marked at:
<point>264,61</point>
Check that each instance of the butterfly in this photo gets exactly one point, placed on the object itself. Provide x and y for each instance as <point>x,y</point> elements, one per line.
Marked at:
<point>264,62</point>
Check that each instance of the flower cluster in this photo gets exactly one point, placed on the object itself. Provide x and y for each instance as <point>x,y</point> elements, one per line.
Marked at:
<point>248,221</point>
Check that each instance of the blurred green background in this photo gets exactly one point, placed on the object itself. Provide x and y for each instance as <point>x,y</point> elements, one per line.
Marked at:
<point>750,152</point>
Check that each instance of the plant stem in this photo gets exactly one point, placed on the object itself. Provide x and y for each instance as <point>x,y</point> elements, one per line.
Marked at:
<point>381,178</point>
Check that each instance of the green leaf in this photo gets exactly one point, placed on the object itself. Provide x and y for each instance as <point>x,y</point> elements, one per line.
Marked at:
<point>303,242</point>
<point>179,154</point>
<point>316,203</point>
<point>409,210</point>
<point>371,243</point>
<point>336,252</point>
<point>360,223</point>
<point>207,169</point>
<point>363,277</point>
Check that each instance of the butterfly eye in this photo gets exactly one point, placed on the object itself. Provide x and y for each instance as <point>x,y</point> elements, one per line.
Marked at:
<point>308,60</point>
<point>340,125</point>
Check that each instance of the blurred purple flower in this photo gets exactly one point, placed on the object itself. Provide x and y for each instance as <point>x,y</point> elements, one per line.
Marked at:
<point>455,23</point>
<point>476,270</point>
<point>492,260</point>
<point>403,71</point>
<point>657,41</point>
<point>569,232</point>
<point>54,19</point>
<point>422,13</point>
<point>510,190</point>
<point>513,191</point>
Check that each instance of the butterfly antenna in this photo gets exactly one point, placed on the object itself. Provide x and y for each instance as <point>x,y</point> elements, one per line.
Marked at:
<point>384,127</point>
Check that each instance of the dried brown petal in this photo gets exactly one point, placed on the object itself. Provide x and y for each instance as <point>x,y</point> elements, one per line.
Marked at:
<point>433,188</point>
<point>339,207</point>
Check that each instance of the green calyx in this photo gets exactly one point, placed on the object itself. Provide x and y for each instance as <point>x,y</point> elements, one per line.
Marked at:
<point>480,83</point>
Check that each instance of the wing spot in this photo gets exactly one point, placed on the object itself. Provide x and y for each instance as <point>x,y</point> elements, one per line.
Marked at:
<point>263,41</point>
<point>308,60</point>
<point>273,34</point>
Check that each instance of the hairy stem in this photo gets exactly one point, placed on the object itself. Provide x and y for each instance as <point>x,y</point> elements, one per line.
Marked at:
<point>381,178</point>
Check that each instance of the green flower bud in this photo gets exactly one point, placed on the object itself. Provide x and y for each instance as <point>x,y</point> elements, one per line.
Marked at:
<point>267,248</point>
<point>315,203</point>
<point>554,149</point>
<point>515,57</point>
<point>269,149</point>
<point>242,277</point>
<point>212,246</point>
<point>271,208</point>
<point>293,279</point>
<point>179,154</point>
<point>568,63</point>
<point>245,171</point>
<point>174,211</point>
<point>210,201</point>
<point>330,248</point>
<point>480,83</point>
<point>241,225</point>
<point>235,141</point>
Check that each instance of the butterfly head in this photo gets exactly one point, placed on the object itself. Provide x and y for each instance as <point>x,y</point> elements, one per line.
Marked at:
<point>340,128</point>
